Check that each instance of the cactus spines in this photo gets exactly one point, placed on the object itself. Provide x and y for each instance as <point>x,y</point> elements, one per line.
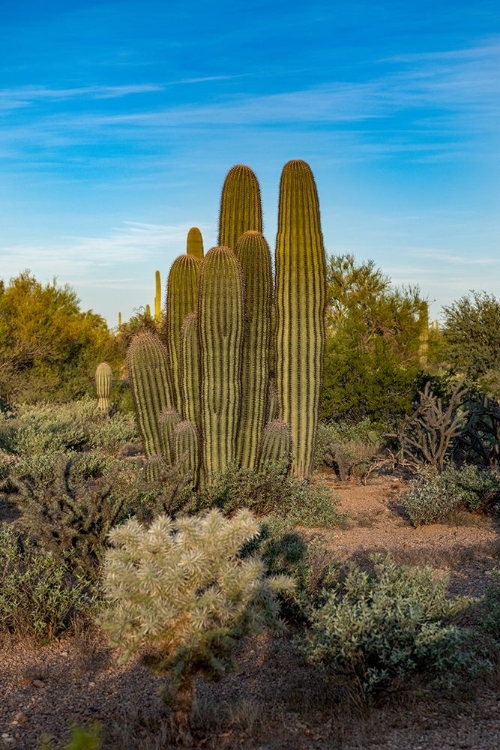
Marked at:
<point>187,450</point>
<point>103,381</point>
<point>253,253</point>
<point>276,443</point>
<point>300,298</point>
<point>168,420</point>
<point>190,378</point>
<point>181,299</point>
<point>157,296</point>
<point>194,243</point>
<point>151,386</point>
<point>221,320</point>
<point>240,207</point>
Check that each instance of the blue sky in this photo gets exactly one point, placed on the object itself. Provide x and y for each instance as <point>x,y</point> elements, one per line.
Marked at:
<point>120,120</point>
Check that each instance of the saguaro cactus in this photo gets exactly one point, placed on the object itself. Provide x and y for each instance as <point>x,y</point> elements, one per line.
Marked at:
<point>300,298</point>
<point>253,253</point>
<point>190,378</point>
<point>194,244</point>
<point>167,422</point>
<point>186,449</point>
<point>221,319</point>
<point>103,381</point>
<point>157,295</point>
<point>151,386</point>
<point>181,299</point>
<point>240,207</point>
<point>276,443</point>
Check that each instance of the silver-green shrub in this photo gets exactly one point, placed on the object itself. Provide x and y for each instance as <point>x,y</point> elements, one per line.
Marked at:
<point>381,626</point>
<point>432,497</point>
<point>180,593</point>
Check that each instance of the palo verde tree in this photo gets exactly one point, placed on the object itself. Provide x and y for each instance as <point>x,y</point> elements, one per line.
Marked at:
<point>49,347</point>
<point>372,345</point>
<point>471,333</point>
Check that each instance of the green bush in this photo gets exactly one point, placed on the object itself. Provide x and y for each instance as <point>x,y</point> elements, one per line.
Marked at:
<point>38,596</point>
<point>271,490</point>
<point>82,738</point>
<point>432,498</point>
<point>490,620</point>
<point>379,627</point>
<point>286,551</point>
<point>347,447</point>
<point>74,426</point>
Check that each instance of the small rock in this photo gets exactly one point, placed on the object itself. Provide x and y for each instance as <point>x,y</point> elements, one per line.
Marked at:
<point>20,718</point>
<point>39,683</point>
<point>25,681</point>
<point>64,653</point>
<point>91,684</point>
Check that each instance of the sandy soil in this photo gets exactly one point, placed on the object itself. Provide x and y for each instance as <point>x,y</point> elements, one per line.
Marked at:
<point>274,700</point>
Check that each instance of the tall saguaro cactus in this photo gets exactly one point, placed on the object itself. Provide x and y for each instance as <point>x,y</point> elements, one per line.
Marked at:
<point>194,243</point>
<point>300,298</point>
<point>240,207</point>
<point>221,320</point>
<point>253,253</point>
<point>181,300</point>
<point>151,386</point>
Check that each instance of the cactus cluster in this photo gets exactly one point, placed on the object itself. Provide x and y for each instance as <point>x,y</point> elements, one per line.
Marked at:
<point>202,388</point>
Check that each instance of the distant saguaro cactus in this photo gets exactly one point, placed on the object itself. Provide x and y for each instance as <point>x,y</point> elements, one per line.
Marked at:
<point>157,295</point>
<point>240,206</point>
<point>103,381</point>
<point>300,298</point>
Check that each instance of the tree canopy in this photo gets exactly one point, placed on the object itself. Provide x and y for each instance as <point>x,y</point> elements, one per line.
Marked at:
<point>49,348</point>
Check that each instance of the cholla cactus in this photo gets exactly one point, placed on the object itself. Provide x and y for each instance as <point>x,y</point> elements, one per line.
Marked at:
<point>180,593</point>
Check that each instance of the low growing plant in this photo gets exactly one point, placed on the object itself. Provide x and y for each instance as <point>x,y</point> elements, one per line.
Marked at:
<point>380,627</point>
<point>180,593</point>
<point>433,497</point>
<point>39,596</point>
<point>271,491</point>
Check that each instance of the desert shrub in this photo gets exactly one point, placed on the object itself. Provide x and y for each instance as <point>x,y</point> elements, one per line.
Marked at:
<point>434,497</point>
<point>490,606</point>
<point>347,447</point>
<point>38,596</point>
<point>379,627</point>
<point>74,426</point>
<point>271,490</point>
<point>82,738</point>
<point>181,594</point>
<point>286,551</point>
<point>70,504</point>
